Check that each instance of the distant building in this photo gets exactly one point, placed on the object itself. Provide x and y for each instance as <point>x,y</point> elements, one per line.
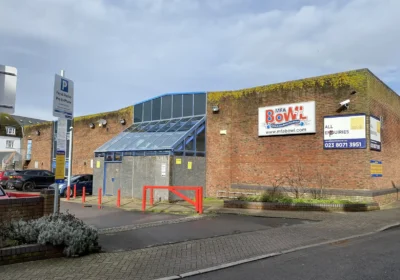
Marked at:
<point>11,134</point>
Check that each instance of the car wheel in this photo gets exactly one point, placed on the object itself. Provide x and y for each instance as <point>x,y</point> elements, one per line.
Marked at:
<point>28,186</point>
<point>10,187</point>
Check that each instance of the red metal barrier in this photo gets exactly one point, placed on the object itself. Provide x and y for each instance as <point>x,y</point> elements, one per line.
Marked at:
<point>68,192</point>
<point>74,191</point>
<point>198,191</point>
<point>99,199</point>
<point>83,194</point>
<point>119,198</point>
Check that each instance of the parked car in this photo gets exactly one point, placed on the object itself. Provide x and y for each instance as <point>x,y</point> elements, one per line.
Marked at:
<point>80,180</point>
<point>3,194</point>
<point>4,177</point>
<point>30,179</point>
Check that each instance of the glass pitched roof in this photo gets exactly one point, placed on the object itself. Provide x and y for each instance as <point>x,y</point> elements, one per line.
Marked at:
<point>153,135</point>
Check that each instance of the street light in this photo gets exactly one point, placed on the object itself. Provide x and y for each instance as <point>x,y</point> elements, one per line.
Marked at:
<point>70,156</point>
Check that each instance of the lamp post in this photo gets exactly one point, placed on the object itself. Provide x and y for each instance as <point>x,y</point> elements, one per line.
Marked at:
<point>70,156</point>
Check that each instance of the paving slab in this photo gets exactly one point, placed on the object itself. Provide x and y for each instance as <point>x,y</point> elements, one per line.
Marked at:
<point>109,217</point>
<point>196,229</point>
<point>179,258</point>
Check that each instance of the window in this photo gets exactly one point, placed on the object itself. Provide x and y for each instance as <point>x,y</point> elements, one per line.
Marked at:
<point>201,139</point>
<point>138,113</point>
<point>109,157</point>
<point>189,145</point>
<point>118,156</point>
<point>166,108</point>
<point>147,111</point>
<point>187,105</point>
<point>177,106</point>
<point>85,178</point>
<point>10,130</point>
<point>32,173</point>
<point>199,104</point>
<point>10,144</point>
<point>156,111</point>
<point>46,173</point>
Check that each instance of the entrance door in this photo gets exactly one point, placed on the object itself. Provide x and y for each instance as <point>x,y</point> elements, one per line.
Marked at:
<point>112,178</point>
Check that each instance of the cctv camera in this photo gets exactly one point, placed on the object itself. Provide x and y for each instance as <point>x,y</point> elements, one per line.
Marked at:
<point>345,103</point>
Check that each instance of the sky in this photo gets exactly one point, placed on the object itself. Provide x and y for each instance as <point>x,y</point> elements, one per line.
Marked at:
<point>121,52</point>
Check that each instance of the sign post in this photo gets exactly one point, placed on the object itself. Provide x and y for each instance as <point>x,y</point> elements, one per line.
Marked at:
<point>63,109</point>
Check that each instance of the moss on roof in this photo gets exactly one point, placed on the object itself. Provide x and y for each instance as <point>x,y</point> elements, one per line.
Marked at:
<point>39,126</point>
<point>356,79</point>
<point>6,119</point>
<point>96,117</point>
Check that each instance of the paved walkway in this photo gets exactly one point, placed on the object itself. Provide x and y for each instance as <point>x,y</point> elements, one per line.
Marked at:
<point>175,259</point>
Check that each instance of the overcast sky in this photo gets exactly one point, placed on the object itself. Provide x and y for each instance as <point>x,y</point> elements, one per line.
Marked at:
<point>120,52</point>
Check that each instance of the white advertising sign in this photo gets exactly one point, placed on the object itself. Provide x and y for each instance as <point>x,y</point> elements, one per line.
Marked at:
<point>61,135</point>
<point>8,88</point>
<point>63,102</point>
<point>287,119</point>
<point>345,132</point>
<point>375,133</point>
<point>163,169</point>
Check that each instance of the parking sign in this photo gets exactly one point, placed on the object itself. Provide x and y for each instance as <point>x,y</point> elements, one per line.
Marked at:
<point>63,102</point>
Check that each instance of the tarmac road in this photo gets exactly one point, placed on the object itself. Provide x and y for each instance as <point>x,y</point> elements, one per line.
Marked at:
<point>373,257</point>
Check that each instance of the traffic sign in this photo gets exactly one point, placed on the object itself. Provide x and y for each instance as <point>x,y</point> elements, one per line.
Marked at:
<point>60,167</point>
<point>63,101</point>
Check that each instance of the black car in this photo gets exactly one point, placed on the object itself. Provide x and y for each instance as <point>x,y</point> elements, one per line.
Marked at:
<point>30,179</point>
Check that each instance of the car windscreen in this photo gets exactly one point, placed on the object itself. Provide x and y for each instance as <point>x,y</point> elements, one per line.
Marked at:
<point>2,193</point>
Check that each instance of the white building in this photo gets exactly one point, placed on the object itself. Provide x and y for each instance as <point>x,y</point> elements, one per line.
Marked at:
<point>11,134</point>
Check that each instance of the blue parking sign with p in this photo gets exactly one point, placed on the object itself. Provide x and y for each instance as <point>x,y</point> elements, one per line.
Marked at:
<point>64,85</point>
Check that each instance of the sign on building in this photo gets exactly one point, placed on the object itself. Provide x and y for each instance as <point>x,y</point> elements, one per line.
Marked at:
<point>63,101</point>
<point>287,119</point>
<point>345,132</point>
<point>376,168</point>
<point>375,133</point>
<point>8,88</point>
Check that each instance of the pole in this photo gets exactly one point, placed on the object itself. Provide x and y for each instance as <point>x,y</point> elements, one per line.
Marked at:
<point>70,156</point>
<point>57,191</point>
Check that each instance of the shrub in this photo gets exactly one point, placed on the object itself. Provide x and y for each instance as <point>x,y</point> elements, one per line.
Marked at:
<point>65,230</point>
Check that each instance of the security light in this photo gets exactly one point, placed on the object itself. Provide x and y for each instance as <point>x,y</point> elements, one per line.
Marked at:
<point>215,108</point>
<point>91,125</point>
<point>122,121</point>
<point>102,122</point>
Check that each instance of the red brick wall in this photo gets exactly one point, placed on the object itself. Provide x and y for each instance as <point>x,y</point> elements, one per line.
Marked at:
<point>27,208</point>
<point>41,145</point>
<point>242,157</point>
<point>386,103</point>
<point>86,140</point>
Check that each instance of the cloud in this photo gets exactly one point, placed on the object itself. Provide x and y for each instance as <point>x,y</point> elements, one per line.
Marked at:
<point>121,52</point>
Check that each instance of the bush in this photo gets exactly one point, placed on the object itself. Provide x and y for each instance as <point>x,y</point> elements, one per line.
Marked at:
<point>65,230</point>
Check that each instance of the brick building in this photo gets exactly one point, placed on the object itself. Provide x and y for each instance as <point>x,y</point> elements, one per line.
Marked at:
<point>87,136</point>
<point>295,134</point>
<point>240,159</point>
